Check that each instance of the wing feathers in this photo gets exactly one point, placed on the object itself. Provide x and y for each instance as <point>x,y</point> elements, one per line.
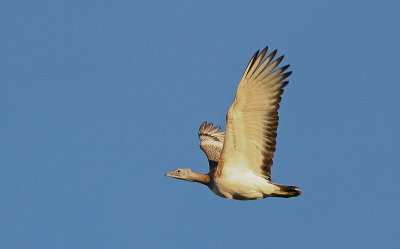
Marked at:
<point>211,142</point>
<point>252,119</point>
<point>257,61</point>
<point>251,62</point>
<point>265,63</point>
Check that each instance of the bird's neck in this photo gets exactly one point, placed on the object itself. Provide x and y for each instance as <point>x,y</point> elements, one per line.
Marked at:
<point>201,178</point>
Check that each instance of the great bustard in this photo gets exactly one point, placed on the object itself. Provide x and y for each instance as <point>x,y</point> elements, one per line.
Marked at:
<point>240,158</point>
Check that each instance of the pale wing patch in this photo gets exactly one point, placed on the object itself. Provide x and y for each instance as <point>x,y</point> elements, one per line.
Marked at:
<point>252,119</point>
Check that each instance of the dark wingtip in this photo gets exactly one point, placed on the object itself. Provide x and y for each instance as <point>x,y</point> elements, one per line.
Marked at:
<point>285,83</point>
<point>264,51</point>
<point>285,67</point>
<point>285,75</point>
<point>280,58</point>
<point>255,55</point>
<point>202,126</point>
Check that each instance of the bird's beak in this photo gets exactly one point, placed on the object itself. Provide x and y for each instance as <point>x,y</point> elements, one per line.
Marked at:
<point>172,174</point>
<point>168,174</point>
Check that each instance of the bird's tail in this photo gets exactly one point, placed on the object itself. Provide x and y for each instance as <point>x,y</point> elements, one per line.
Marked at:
<point>286,191</point>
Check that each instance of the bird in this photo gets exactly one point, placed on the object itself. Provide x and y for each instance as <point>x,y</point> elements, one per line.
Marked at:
<point>240,159</point>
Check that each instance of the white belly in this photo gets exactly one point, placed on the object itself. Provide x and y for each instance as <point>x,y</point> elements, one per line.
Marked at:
<point>242,185</point>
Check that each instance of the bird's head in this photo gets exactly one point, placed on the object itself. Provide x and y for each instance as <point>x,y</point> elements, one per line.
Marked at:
<point>181,174</point>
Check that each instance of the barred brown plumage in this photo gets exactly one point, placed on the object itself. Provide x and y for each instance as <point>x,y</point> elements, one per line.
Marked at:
<point>211,142</point>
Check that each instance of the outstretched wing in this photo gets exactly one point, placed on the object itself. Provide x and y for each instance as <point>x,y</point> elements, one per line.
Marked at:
<point>252,119</point>
<point>211,142</point>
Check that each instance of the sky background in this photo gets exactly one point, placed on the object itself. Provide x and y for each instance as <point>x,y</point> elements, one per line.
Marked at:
<point>98,99</point>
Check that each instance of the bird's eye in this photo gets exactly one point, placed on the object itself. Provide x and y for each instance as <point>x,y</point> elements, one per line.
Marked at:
<point>179,171</point>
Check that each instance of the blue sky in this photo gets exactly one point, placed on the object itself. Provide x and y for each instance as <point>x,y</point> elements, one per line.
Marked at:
<point>98,99</point>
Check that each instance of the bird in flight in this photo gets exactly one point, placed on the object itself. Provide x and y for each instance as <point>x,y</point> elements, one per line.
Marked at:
<point>240,159</point>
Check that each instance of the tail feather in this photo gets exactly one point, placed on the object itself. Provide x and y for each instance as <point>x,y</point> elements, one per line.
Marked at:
<point>286,191</point>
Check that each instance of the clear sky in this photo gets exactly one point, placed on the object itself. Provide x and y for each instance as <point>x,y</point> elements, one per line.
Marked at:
<point>98,99</point>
